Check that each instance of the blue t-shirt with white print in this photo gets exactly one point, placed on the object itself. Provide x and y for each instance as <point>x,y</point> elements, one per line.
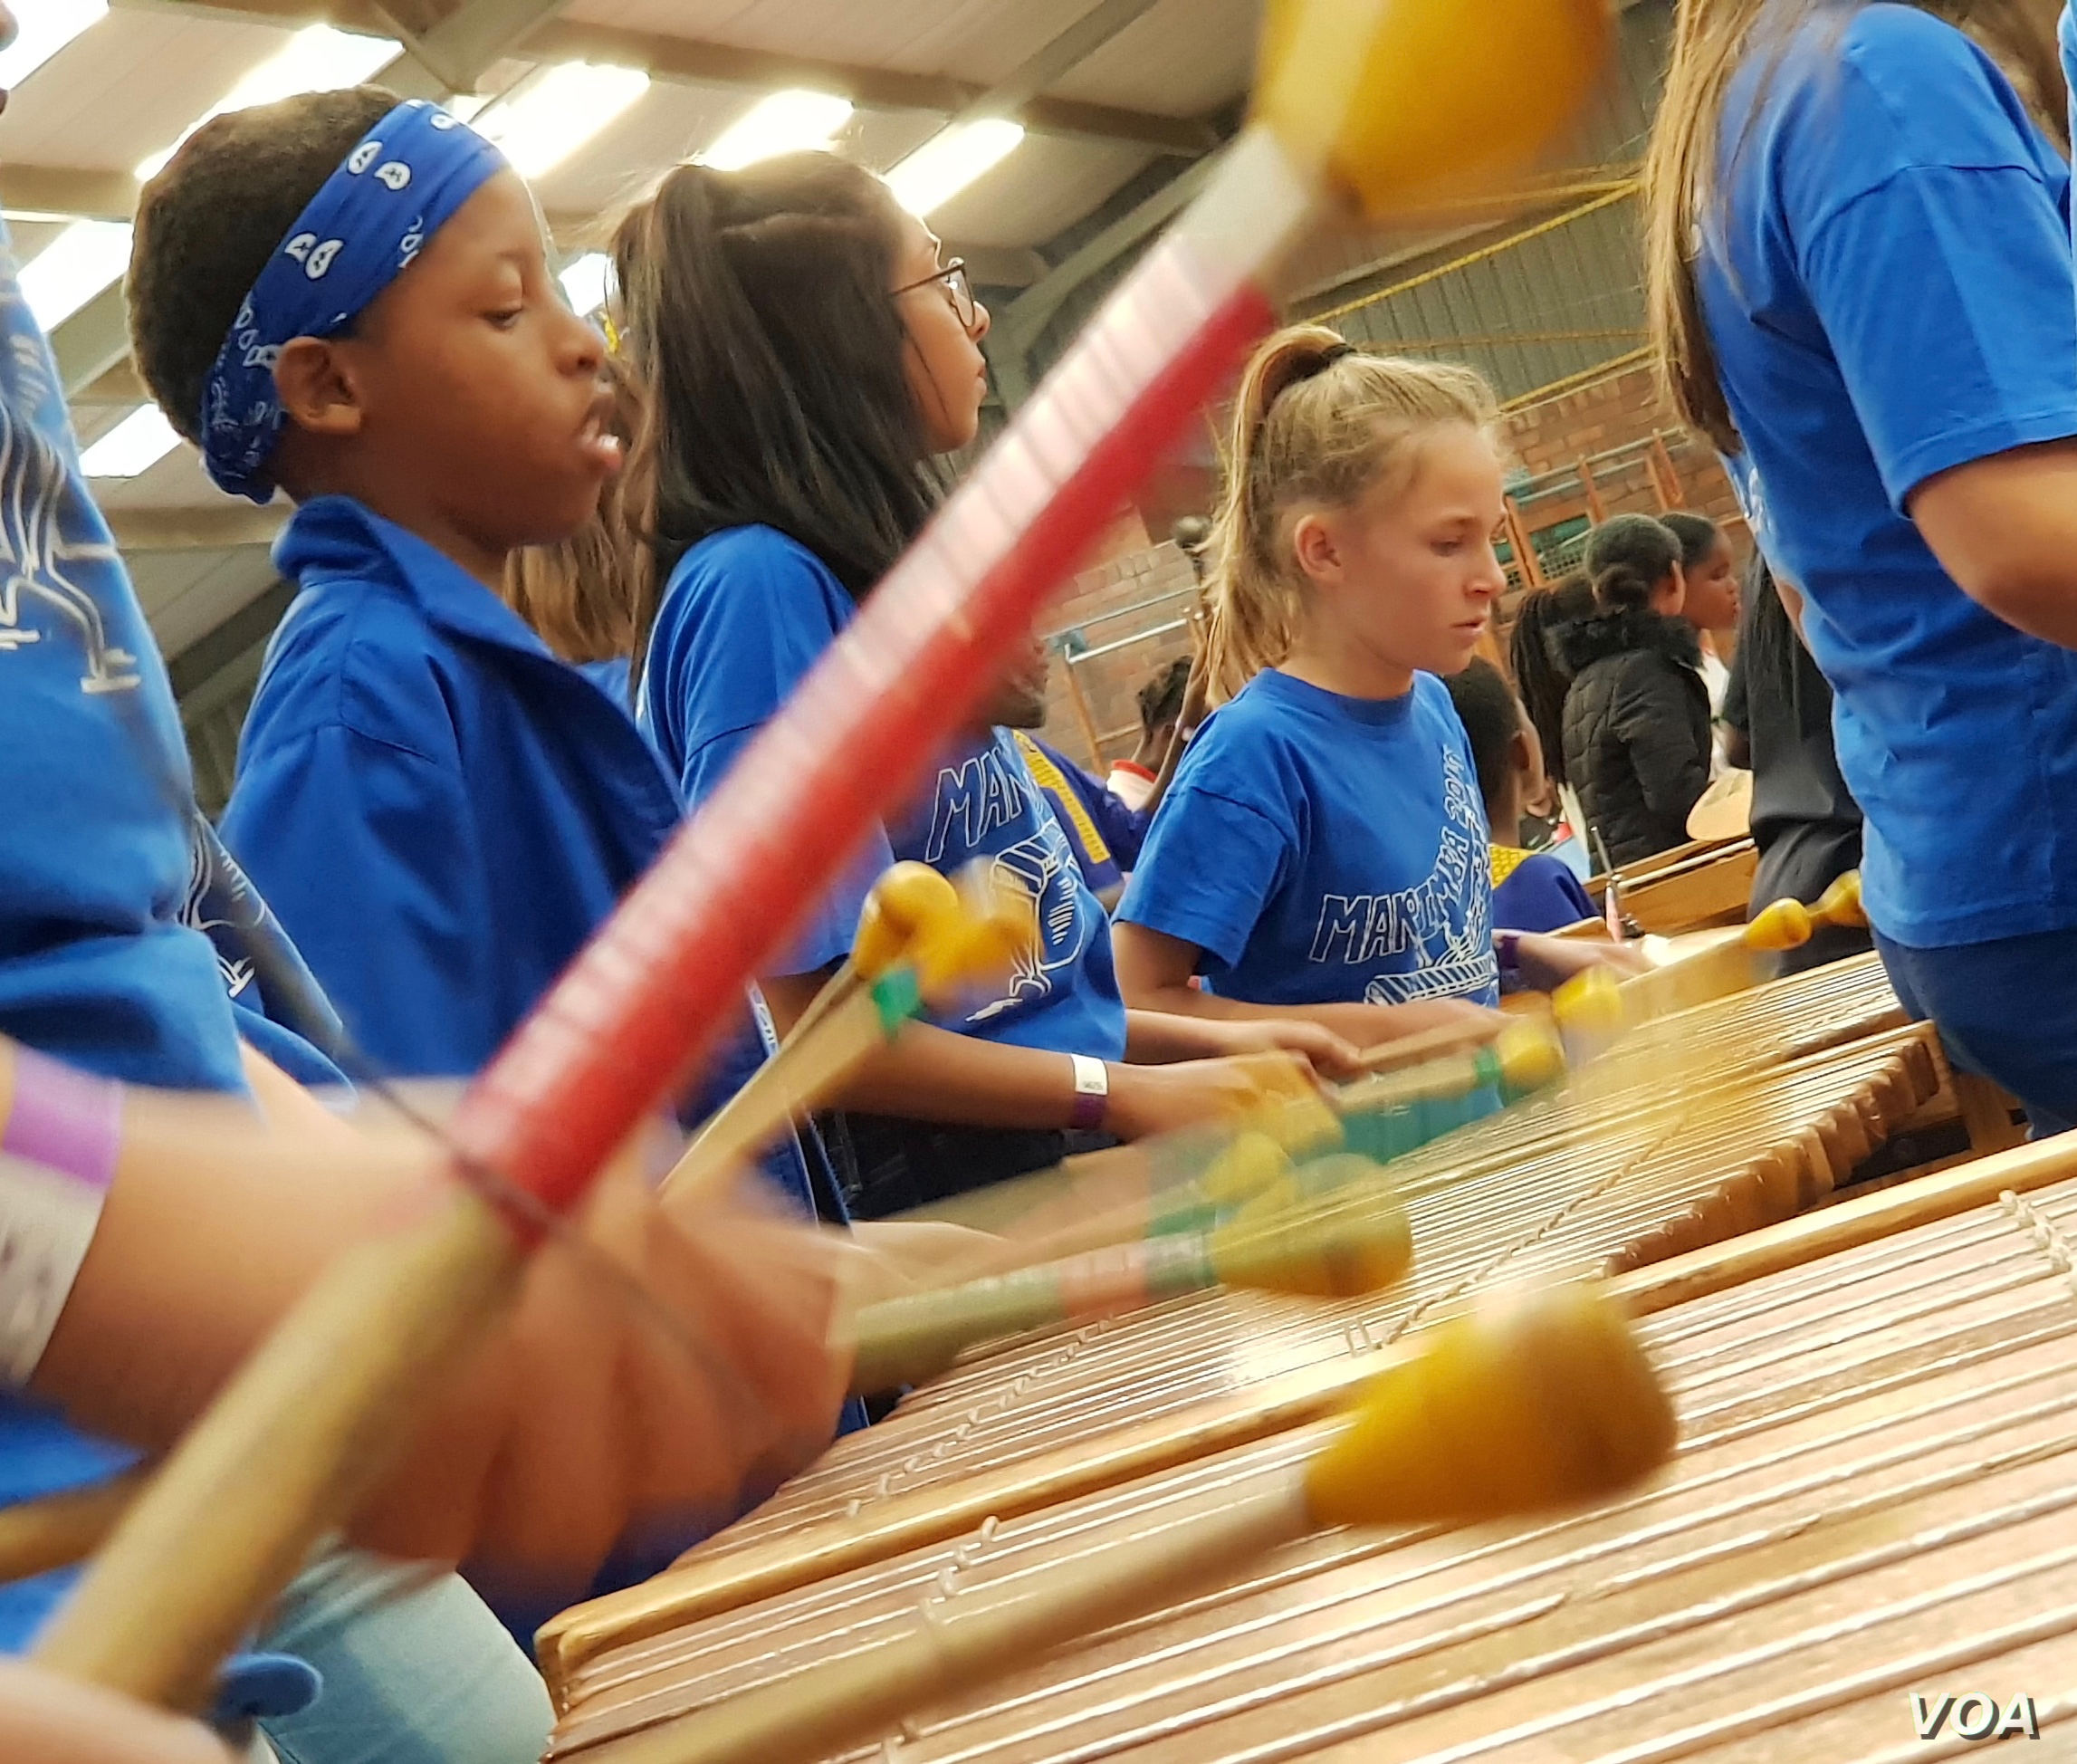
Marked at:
<point>96,967</point>
<point>746,614</point>
<point>985,808</point>
<point>1887,289</point>
<point>1322,849</point>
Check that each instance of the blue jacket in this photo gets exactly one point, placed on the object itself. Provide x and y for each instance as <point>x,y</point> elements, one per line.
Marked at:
<point>439,810</point>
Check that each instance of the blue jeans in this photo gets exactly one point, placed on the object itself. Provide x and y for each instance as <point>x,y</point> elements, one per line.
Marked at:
<point>416,1671</point>
<point>2007,1009</point>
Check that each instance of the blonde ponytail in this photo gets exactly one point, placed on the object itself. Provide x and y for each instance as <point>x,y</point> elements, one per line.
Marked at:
<point>1316,420</point>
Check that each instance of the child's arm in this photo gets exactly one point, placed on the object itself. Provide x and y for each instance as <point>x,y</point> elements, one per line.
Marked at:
<point>1157,1038</point>
<point>46,1718</point>
<point>1154,971</point>
<point>582,1415</point>
<point>932,1074</point>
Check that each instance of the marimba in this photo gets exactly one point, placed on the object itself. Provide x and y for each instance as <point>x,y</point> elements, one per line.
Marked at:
<point>1863,1546</point>
<point>1614,1171</point>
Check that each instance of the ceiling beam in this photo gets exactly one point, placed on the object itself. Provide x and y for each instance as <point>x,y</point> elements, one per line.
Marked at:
<point>209,655</point>
<point>92,340</point>
<point>471,40</point>
<point>66,191</point>
<point>694,62</point>
<point>208,526</point>
<point>1053,61</point>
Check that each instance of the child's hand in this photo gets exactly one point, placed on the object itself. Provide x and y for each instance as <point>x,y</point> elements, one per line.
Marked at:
<point>1330,1055</point>
<point>602,1414</point>
<point>892,1258</point>
<point>1150,1100</point>
<point>1368,1026</point>
<point>1548,963</point>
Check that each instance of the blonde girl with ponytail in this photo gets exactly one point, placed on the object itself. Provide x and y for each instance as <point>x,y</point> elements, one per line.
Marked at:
<point>1322,850</point>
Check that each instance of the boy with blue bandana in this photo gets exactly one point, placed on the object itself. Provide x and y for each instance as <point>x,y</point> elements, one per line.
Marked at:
<point>440,810</point>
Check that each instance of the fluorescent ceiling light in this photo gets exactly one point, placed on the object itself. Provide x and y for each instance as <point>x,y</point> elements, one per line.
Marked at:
<point>73,268</point>
<point>132,447</point>
<point>546,120</point>
<point>47,26</point>
<point>949,160</point>
<point>318,59</point>
<point>785,123</point>
<point>584,281</point>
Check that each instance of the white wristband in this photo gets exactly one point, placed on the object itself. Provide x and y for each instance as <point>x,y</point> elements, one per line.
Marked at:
<point>1092,1091</point>
<point>47,1219</point>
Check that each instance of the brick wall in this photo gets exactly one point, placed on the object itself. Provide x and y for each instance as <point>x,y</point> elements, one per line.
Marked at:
<point>1550,439</point>
<point>1117,615</point>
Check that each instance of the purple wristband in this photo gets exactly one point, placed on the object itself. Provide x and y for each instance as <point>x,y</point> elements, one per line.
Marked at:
<point>1507,948</point>
<point>64,1119</point>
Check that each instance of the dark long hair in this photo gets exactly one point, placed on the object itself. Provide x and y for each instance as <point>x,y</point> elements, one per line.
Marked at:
<point>1777,668</point>
<point>754,308</point>
<point>1538,663</point>
<point>1626,559</point>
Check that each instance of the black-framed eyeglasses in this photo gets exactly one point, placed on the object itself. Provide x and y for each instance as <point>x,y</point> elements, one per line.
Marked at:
<point>957,284</point>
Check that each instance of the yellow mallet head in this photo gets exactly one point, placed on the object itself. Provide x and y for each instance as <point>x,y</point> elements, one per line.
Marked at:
<point>1353,1242</point>
<point>1588,1008</point>
<point>1531,1054</point>
<point>1841,903</point>
<point>1784,925</point>
<point>908,897</point>
<point>1403,103</point>
<point>1536,1400</point>
<point>992,925</point>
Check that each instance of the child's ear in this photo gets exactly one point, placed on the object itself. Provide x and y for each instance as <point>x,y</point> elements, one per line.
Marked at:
<point>316,386</point>
<point>1521,757</point>
<point>1318,554</point>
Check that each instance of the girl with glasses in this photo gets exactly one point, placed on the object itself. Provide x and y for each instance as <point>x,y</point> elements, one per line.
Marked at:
<point>808,356</point>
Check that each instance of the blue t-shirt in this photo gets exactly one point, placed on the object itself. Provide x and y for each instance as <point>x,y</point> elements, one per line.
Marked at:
<point>746,614</point>
<point>96,967</point>
<point>440,810</point>
<point>1889,294</point>
<point>1322,849</point>
<point>1533,891</point>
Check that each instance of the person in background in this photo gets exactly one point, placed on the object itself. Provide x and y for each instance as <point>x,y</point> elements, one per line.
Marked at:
<point>1536,658</point>
<point>1532,890</point>
<point>793,443</point>
<point>1710,573</point>
<point>1805,823</point>
<point>1860,290</point>
<point>1133,781</point>
<point>1103,834</point>
<point>1637,715</point>
<point>1322,851</point>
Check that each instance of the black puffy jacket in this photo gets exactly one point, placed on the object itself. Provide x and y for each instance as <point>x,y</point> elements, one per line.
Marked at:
<point>1636,729</point>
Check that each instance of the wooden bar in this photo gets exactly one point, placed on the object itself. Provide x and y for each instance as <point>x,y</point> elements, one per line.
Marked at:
<point>1875,1496</point>
<point>1717,1122</point>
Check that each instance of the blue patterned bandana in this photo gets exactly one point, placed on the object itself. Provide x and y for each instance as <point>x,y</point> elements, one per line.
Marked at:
<point>396,189</point>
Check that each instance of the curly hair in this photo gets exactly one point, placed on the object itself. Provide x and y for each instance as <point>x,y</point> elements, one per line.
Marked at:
<point>208,222</point>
